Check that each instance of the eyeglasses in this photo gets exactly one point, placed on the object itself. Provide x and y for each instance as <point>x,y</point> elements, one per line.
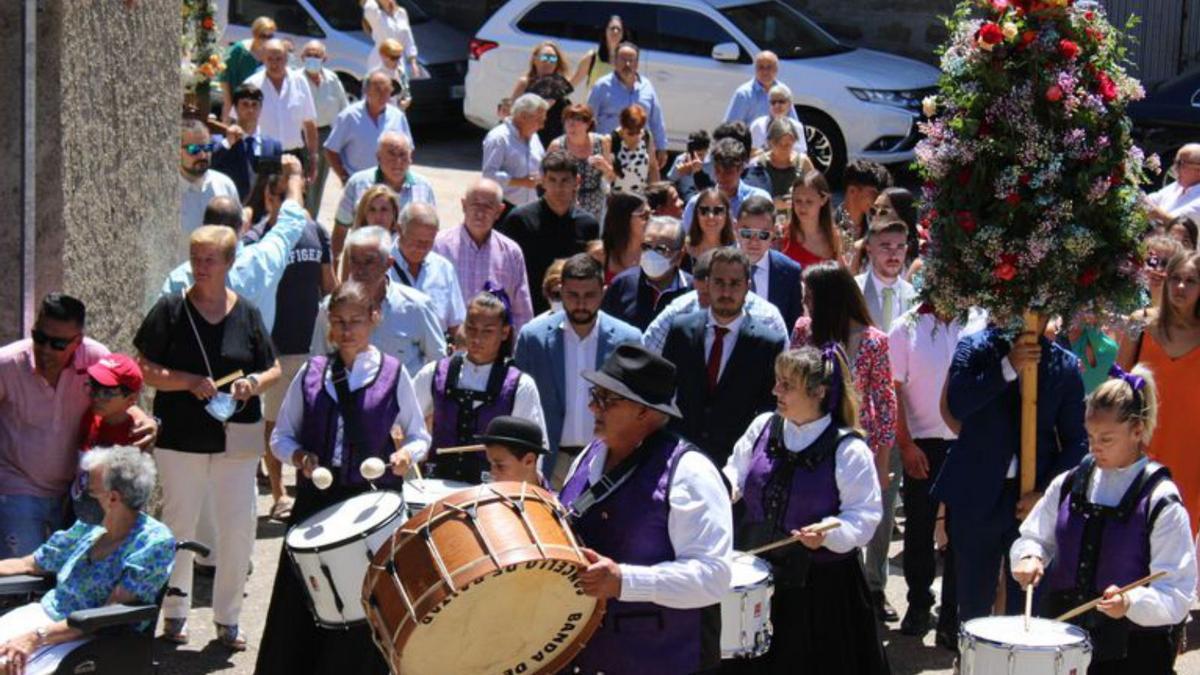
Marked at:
<point>661,249</point>
<point>750,233</point>
<point>102,392</point>
<point>197,148</point>
<point>711,210</point>
<point>56,343</point>
<point>603,398</point>
<point>548,58</point>
<point>876,211</point>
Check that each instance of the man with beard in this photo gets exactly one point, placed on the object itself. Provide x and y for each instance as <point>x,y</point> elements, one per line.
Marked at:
<point>725,360</point>
<point>198,184</point>
<point>556,347</point>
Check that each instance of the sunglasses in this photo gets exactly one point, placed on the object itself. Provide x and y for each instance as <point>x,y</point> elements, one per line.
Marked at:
<point>661,249</point>
<point>548,58</point>
<point>711,210</point>
<point>104,393</point>
<point>603,398</point>
<point>749,233</point>
<point>780,101</point>
<point>876,211</point>
<point>197,148</point>
<point>56,343</point>
<point>1156,263</point>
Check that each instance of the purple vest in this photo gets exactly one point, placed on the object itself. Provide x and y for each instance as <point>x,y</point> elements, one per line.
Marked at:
<point>630,526</point>
<point>456,419</point>
<point>813,495</point>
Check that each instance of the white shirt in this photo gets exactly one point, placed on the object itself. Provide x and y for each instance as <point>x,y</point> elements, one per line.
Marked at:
<point>762,275</point>
<point>409,330</point>
<point>727,342</point>
<point>853,470</point>
<point>756,306</point>
<point>1178,201</point>
<point>526,404</point>
<point>1162,603</point>
<point>921,349</point>
<point>383,27</point>
<point>329,96</point>
<point>579,354</point>
<point>758,133</point>
<point>194,199</point>
<point>284,110</point>
<point>700,527</point>
<point>285,438</point>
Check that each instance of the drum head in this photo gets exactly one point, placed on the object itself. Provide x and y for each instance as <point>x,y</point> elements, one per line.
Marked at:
<point>747,570</point>
<point>350,519</point>
<point>1010,630</point>
<point>426,491</point>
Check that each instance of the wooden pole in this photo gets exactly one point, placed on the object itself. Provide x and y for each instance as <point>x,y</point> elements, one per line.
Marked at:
<point>1029,407</point>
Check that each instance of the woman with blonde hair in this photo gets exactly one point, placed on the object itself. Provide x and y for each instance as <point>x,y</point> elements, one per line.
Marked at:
<point>805,472</point>
<point>242,59</point>
<point>386,19</point>
<point>379,205</point>
<point>547,77</point>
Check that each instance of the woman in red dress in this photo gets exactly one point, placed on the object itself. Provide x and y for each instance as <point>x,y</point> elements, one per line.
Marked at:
<point>811,237</point>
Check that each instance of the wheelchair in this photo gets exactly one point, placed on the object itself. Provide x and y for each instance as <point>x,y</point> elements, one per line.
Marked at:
<point>116,646</point>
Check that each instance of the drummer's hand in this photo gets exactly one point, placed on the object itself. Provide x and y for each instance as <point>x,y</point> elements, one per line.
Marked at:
<point>1114,605</point>
<point>305,462</point>
<point>811,540</point>
<point>1026,503</point>
<point>1028,571</point>
<point>401,461</point>
<point>602,578</point>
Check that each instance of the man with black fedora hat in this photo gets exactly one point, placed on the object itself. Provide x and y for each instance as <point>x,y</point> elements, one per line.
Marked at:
<point>656,518</point>
<point>514,445</point>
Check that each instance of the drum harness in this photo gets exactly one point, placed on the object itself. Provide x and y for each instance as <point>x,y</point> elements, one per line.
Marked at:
<point>608,483</point>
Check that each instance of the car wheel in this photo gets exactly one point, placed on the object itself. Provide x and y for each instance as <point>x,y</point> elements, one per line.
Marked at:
<point>826,148</point>
<point>352,85</point>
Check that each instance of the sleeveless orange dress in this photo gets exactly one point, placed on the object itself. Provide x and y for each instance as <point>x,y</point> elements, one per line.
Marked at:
<point>1174,441</point>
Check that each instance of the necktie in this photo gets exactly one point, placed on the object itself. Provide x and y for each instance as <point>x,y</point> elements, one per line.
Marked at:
<point>714,356</point>
<point>889,303</point>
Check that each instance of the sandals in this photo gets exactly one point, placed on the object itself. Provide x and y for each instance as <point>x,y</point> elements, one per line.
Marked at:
<point>231,638</point>
<point>175,630</point>
<point>282,509</point>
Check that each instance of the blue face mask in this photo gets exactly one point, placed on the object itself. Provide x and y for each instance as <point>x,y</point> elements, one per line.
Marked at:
<point>312,64</point>
<point>221,407</point>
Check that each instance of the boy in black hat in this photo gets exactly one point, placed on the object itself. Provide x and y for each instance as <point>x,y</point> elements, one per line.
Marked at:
<point>514,446</point>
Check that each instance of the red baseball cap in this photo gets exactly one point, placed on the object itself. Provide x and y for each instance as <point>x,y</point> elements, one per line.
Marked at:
<point>117,370</point>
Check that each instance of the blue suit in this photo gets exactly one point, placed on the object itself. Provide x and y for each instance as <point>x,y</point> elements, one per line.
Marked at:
<point>980,500</point>
<point>540,354</point>
<point>240,162</point>
<point>631,298</point>
<point>784,289</point>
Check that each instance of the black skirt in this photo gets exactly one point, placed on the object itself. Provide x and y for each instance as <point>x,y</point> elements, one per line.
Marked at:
<point>292,642</point>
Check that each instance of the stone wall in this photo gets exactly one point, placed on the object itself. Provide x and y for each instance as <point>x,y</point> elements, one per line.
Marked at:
<point>107,164</point>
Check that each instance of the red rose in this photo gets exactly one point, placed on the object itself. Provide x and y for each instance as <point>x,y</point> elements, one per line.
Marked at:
<point>1028,37</point>
<point>1068,50</point>
<point>1089,16</point>
<point>966,221</point>
<point>1007,269</point>
<point>1054,93</point>
<point>1089,277</point>
<point>1025,179</point>
<point>1106,87</point>
<point>991,33</point>
<point>207,23</point>
<point>1095,34</point>
<point>1013,199</point>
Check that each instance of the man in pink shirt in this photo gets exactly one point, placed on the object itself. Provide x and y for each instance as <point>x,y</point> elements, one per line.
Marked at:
<point>43,395</point>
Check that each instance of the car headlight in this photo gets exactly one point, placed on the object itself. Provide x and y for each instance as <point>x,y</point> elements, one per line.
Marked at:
<point>907,99</point>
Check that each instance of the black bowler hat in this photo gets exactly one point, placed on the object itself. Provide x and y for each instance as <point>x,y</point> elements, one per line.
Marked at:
<point>640,375</point>
<point>513,431</point>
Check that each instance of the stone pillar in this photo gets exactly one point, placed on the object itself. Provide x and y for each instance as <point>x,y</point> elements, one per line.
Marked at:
<point>108,104</point>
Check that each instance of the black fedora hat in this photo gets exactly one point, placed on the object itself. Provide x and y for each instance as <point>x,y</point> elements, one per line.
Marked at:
<point>513,431</point>
<point>640,375</point>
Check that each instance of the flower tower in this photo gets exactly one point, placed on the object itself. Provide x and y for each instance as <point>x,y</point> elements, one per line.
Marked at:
<point>1031,175</point>
<point>200,64</point>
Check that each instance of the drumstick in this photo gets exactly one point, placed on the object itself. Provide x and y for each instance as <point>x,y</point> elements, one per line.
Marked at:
<point>1091,604</point>
<point>460,448</point>
<point>420,479</point>
<point>237,374</point>
<point>1028,605</point>
<point>832,525</point>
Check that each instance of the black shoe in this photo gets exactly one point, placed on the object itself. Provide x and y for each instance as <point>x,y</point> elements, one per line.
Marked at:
<point>883,609</point>
<point>917,622</point>
<point>946,639</point>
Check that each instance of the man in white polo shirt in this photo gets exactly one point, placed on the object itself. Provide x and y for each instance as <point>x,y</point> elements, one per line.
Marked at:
<point>288,110</point>
<point>1181,198</point>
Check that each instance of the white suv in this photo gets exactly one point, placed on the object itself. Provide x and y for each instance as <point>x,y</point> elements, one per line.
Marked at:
<point>855,103</point>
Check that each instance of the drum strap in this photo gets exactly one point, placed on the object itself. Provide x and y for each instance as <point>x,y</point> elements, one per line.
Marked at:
<point>608,483</point>
<point>352,433</point>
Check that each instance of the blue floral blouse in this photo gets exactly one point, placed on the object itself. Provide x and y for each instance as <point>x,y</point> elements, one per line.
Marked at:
<point>141,564</point>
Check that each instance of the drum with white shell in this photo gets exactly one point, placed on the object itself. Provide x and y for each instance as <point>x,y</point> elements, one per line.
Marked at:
<point>746,608</point>
<point>1001,645</point>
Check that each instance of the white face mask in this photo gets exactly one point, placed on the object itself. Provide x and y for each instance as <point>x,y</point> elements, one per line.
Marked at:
<point>555,305</point>
<point>312,64</point>
<point>654,264</point>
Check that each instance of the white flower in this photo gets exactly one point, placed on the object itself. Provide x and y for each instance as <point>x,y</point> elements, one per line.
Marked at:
<point>929,106</point>
<point>1010,30</point>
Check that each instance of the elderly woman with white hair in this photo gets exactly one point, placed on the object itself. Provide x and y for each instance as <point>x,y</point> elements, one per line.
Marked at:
<point>779,97</point>
<point>512,151</point>
<point>114,553</point>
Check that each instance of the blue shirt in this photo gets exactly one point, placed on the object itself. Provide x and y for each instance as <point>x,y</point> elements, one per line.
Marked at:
<point>506,156</point>
<point>258,268</point>
<point>416,188</point>
<point>756,306</point>
<point>355,136</point>
<point>744,191</point>
<point>750,102</point>
<point>438,280</point>
<point>141,564</point>
<point>610,96</point>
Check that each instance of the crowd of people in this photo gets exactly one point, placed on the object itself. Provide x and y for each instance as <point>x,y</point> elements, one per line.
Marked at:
<point>741,357</point>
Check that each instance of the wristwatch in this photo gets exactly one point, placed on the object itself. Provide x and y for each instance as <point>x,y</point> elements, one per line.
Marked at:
<point>253,380</point>
<point>42,635</point>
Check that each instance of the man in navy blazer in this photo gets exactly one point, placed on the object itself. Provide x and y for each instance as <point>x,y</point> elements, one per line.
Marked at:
<point>979,480</point>
<point>638,294</point>
<point>557,346</point>
<point>775,276</point>
<point>724,361</point>
<point>239,153</point>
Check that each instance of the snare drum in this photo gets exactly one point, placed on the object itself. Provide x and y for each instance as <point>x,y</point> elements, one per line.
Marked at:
<point>331,549</point>
<point>419,493</point>
<point>1000,645</point>
<point>746,608</point>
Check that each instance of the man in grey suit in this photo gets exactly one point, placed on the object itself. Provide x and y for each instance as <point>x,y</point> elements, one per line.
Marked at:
<point>888,297</point>
<point>556,347</point>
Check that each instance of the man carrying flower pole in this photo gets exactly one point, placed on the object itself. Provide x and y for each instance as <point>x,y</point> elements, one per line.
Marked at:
<point>1031,184</point>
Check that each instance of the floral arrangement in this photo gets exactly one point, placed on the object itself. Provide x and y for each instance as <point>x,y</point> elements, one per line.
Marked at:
<point>1031,176</point>
<point>201,61</point>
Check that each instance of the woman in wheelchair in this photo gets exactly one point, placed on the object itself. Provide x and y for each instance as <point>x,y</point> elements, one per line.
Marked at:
<point>114,553</point>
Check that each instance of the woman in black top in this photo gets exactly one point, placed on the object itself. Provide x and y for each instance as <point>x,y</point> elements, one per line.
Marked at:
<point>187,343</point>
<point>547,78</point>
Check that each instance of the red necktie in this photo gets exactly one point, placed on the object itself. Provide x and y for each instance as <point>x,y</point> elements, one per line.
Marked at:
<point>714,356</point>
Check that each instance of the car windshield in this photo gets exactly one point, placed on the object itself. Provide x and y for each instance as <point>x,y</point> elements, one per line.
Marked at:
<point>779,28</point>
<point>347,16</point>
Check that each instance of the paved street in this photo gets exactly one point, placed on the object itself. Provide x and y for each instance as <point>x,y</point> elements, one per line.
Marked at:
<point>450,159</point>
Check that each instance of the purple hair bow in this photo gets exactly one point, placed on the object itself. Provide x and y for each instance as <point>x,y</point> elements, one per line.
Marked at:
<point>1136,382</point>
<point>830,352</point>
<point>498,291</point>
